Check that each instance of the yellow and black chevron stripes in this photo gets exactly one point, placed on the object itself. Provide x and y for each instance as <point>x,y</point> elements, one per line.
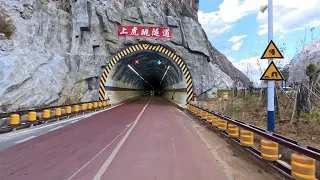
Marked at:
<point>145,47</point>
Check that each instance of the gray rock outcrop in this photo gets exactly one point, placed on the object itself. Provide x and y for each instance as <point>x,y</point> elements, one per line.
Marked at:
<point>309,54</point>
<point>56,56</point>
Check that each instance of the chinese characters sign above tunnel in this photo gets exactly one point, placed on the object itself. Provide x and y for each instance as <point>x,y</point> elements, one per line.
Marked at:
<point>145,31</point>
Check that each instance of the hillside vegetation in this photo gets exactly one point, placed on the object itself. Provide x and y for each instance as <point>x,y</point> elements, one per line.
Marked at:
<point>305,128</point>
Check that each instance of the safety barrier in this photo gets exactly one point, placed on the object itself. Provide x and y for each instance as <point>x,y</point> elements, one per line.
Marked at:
<point>303,164</point>
<point>48,114</point>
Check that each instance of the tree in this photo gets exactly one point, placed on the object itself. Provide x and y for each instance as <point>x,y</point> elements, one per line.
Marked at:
<point>311,71</point>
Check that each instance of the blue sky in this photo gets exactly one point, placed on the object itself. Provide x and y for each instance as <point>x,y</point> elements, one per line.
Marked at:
<point>238,28</point>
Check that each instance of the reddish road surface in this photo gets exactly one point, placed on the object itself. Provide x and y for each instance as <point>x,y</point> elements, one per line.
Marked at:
<point>140,140</point>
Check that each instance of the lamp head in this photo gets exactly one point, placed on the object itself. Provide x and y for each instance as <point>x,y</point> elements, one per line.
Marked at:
<point>263,8</point>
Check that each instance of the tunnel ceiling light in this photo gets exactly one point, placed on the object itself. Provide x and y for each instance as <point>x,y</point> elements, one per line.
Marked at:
<point>165,73</point>
<point>138,75</point>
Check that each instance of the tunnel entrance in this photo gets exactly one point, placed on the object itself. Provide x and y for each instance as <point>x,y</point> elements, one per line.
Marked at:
<point>146,68</point>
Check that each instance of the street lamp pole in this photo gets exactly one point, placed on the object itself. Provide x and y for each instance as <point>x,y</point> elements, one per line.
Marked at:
<point>270,83</point>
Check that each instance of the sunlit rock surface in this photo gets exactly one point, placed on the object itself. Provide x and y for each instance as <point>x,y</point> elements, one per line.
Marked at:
<point>57,56</point>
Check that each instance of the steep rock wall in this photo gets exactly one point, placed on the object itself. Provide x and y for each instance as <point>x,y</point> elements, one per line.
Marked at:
<point>57,57</point>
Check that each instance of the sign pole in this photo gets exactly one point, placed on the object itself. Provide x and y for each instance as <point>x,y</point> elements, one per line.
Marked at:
<point>270,83</point>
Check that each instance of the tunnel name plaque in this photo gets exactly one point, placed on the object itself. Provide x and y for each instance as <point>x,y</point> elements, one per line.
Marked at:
<point>145,31</point>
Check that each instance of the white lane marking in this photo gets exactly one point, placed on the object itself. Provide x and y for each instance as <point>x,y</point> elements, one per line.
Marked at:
<point>73,175</point>
<point>179,110</point>
<point>55,128</point>
<point>61,121</point>
<point>116,150</point>
<point>128,125</point>
<point>74,121</point>
<point>25,139</point>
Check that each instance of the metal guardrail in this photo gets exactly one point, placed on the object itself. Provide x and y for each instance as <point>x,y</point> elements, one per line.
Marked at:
<point>8,127</point>
<point>303,163</point>
<point>22,112</point>
<point>289,143</point>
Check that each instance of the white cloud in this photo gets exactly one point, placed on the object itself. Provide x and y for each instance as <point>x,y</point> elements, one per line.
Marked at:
<point>281,37</point>
<point>237,46</point>
<point>237,42</point>
<point>235,39</point>
<point>253,67</point>
<point>230,11</point>
<point>291,15</point>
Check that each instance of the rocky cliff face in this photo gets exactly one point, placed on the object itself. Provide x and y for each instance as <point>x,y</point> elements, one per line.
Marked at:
<point>309,54</point>
<point>58,50</point>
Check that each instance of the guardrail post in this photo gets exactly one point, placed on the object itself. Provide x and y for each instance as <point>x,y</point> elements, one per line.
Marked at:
<point>14,120</point>
<point>76,109</point>
<point>99,104</point>
<point>68,110</point>
<point>209,118</point>
<point>90,106</point>
<point>32,117</point>
<point>57,113</point>
<point>222,125</point>
<point>246,138</point>
<point>233,131</point>
<point>46,114</point>
<point>95,105</point>
<point>302,167</point>
<point>83,108</point>
<point>215,121</point>
<point>269,150</point>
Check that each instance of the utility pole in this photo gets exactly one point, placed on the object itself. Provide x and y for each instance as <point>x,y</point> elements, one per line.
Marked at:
<point>270,83</point>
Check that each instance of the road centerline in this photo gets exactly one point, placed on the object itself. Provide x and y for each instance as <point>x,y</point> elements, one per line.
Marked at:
<point>116,150</point>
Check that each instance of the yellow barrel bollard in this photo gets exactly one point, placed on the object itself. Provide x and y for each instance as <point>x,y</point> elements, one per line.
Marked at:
<point>108,102</point>
<point>209,118</point>
<point>90,106</point>
<point>215,121</point>
<point>233,131</point>
<point>14,119</point>
<point>46,114</point>
<point>68,110</point>
<point>83,107</point>
<point>100,104</point>
<point>222,125</point>
<point>204,115</point>
<point>57,112</point>
<point>76,108</point>
<point>269,150</point>
<point>302,167</point>
<point>32,116</point>
<point>104,103</point>
<point>95,105</point>
<point>246,138</point>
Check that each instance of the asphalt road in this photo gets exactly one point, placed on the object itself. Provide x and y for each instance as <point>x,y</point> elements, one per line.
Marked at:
<point>142,139</point>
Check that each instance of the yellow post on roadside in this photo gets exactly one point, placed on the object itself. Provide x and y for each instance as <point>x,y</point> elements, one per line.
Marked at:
<point>225,97</point>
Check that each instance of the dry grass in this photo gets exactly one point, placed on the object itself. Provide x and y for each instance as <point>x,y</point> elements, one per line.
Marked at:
<point>6,24</point>
<point>250,110</point>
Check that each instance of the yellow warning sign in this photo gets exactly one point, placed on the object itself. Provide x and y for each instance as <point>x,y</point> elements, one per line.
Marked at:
<point>272,52</point>
<point>272,73</point>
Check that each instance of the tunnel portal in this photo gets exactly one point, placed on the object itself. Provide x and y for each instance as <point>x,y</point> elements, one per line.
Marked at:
<point>143,68</point>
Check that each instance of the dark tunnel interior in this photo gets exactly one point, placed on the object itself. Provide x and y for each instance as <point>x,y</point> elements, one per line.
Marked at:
<point>148,70</point>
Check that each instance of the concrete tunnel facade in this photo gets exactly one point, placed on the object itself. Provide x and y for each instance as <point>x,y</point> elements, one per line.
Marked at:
<point>123,79</point>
